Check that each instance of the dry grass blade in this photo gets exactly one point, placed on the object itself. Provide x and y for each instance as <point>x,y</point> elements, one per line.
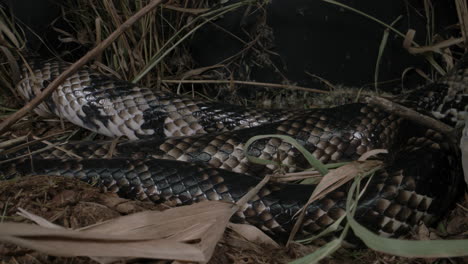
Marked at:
<point>29,153</point>
<point>462,12</point>
<point>372,153</point>
<point>190,28</point>
<point>430,59</point>
<point>195,11</point>
<point>37,219</point>
<point>409,38</point>
<point>187,233</point>
<point>10,77</point>
<point>310,177</point>
<point>412,115</point>
<point>112,147</point>
<point>383,43</point>
<point>199,71</point>
<point>75,66</point>
<point>271,85</point>
<point>14,142</point>
<point>417,70</point>
<point>248,196</point>
<point>157,249</point>
<point>341,175</point>
<point>253,234</point>
<point>331,181</point>
<point>437,47</point>
<point>68,152</point>
<point>5,30</point>
<point>11,142</point>
<point>15,72</point>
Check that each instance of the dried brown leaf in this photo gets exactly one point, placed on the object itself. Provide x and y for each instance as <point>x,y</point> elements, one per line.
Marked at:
<point>37,219</point>
<point>333,180</point>
<point>252,234</point>
<point>372,153</point>
<point>187,233</point>
<point>157,249</point>
<point>340,176</point>
<point>437,47</point>
<point>409,37</point>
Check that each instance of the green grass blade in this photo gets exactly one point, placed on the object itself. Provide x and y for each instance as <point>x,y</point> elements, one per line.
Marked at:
<point>330,229</point>
<point>309,157</point>
<point>410,248</point>
<point>403,248</point>
<point>383,43</point>
<point>351,206</point>
<point>320,253</point>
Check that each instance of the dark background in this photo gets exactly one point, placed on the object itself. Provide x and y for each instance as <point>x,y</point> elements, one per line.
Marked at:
<point>309,36</point>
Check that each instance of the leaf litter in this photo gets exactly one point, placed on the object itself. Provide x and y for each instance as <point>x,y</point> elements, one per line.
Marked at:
<point>187,233</point>
<point>72,216</point>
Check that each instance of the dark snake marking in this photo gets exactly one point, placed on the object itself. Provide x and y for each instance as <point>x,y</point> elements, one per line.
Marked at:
<point>391,206</point>
<point>117,108</point>
<point>421,178</point>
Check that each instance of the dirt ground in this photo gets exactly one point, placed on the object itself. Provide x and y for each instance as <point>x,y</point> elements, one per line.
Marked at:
<point>73,204</point>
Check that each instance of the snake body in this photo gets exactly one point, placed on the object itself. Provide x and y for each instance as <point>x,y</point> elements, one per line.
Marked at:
<point>187,150</point>
<point>116,108</point>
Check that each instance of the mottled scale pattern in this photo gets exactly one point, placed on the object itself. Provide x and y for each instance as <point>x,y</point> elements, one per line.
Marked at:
<point>446,99</point>
<point>391,206</point>
<point>116,108</point>
<point>330,138</point>
<point>331,135</point>
<point>401,202</point>
<point>206,141</point>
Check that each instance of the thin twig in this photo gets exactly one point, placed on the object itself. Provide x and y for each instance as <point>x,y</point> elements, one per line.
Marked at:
<point>64,150</point>
<point>13,141</point>
<point>437,47</point>
<point>411,115</point>
<point>462,12</point>
<point>75,66</point>
<point>30,153</point>
<point>325,81</point>
<point>272,85</point>
<point>30,143</point>
<point>194,11</point>
<point>112,148</point>
<point>295,176</point>
<point>248,196</point>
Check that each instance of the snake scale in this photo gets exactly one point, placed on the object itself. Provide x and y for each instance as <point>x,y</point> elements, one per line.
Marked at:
<point>188,150</point>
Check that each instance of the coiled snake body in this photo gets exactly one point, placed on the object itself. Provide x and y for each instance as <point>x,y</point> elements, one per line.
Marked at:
<point>188,150</point>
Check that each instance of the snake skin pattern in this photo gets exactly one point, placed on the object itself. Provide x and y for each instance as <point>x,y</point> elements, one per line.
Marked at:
<point>446,100</point>
<point>394,203</point>
<point>190,150</point>
<point>117,108</point>
<point>331,135</point>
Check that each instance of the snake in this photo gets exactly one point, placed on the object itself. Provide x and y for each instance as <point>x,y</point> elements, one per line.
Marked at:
<point>170,147</point>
